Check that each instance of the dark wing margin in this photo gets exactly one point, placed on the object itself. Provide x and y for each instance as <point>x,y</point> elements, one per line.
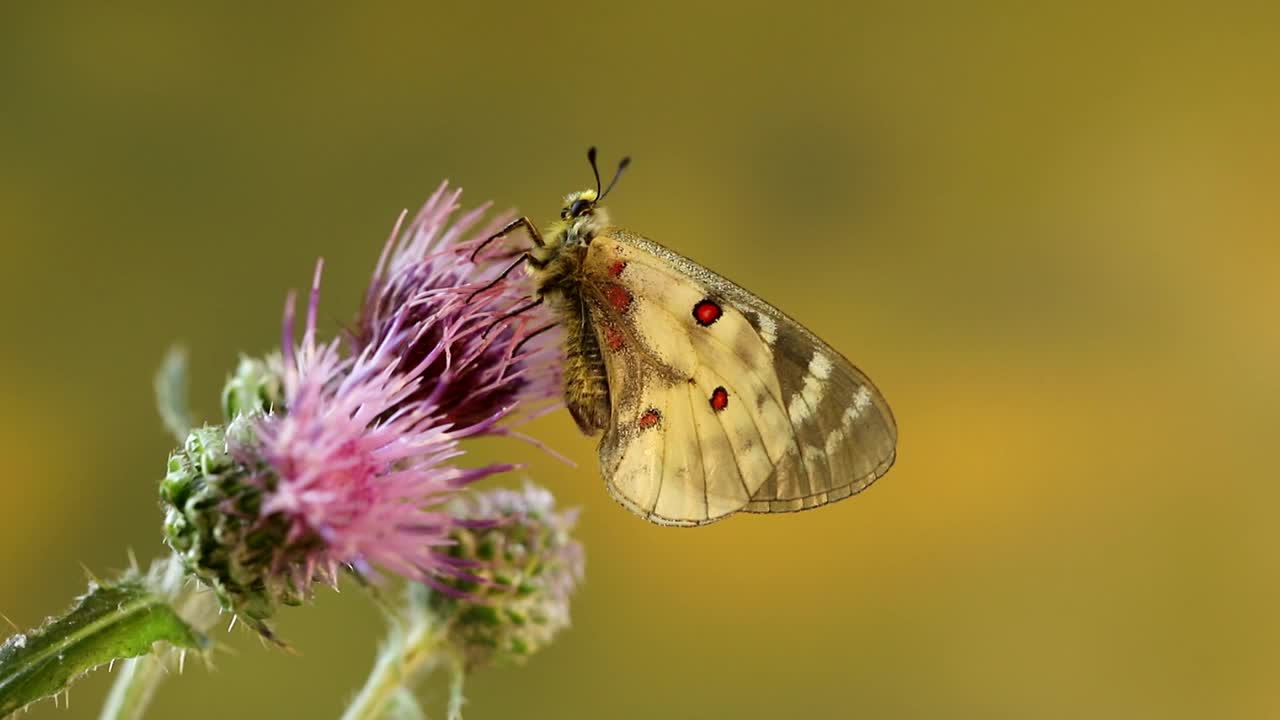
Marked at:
<point>845,431</point>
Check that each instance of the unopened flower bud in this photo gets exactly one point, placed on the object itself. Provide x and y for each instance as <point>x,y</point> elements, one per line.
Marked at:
<point>212,522</point>
<point>257,386</point>
<point>524,567</point>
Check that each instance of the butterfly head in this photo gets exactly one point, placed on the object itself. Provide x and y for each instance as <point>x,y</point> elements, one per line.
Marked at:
<point>580,218</point>
<point>582,215</point>
<point>579,204</point>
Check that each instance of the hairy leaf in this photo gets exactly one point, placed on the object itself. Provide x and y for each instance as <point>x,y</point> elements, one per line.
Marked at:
<point>118,620</point>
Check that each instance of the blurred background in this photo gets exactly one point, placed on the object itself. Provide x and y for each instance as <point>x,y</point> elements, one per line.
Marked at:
<point>1049,234</point>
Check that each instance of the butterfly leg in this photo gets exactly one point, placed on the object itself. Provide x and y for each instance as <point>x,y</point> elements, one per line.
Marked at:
<point>513,313</point>
<point>524,257</point>
<point>510,227</point>
<point>533,335</point>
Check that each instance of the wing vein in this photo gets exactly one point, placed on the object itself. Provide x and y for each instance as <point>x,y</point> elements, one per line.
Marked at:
<point>702,461</point>
<point>662,467</point>
<point>742,477</point>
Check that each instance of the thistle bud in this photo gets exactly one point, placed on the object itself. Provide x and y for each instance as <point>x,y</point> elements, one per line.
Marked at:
<point>522,566</point>
<point>212,522</point>
<point>257,386</point>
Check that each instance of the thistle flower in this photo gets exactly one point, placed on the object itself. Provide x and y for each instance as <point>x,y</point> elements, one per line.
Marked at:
<point>500,346</point>
<point>526,567</point>
<point>349,475</point>
<point>332,460</point>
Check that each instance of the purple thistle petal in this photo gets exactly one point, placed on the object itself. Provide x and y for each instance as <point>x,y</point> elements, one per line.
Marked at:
<point>474,371</point>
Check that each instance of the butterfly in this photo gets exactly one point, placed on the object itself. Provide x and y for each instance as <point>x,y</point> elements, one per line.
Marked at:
<point>711,400</point>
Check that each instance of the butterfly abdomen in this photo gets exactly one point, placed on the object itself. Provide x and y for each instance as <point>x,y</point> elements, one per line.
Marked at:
<point>586,386</point>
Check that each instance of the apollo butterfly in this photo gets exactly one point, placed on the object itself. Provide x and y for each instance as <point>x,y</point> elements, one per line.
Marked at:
<point>711,400</point>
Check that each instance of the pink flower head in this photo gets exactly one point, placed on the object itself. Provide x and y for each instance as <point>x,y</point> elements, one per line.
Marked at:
<point>354,473</point>
<point>500,348</point>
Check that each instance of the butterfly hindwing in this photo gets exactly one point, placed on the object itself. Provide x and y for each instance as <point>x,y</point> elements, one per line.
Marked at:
<point>721,403</point>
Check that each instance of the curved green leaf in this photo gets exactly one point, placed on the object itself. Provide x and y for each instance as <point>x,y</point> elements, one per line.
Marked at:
<point>171,393</point>
<point>119,620</point>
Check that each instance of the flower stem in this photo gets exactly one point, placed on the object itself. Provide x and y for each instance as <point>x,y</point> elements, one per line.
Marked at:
<point>413,649</point>
<point>457,674</point>
<point>133,689</point>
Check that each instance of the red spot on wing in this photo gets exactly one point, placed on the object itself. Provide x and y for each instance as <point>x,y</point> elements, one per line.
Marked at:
<point>719,399</point>
<point>618,297</point>
<point>706,312</point>
<point>617,267</point>
<point>614,339</point>
<point>649,418</point>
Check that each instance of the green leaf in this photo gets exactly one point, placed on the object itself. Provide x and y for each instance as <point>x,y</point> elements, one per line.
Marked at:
<point>171,392</point>
<point>118,620</point>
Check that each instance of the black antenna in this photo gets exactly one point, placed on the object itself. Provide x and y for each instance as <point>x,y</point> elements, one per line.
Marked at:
<point>591,158</point>
<point>622,165</point>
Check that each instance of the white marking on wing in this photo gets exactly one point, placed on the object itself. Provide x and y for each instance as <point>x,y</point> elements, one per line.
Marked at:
<point>834,438</point>
<point>804,403</point>
<point>812,392</point>
<point>820,366</point>
<point>798,409</point>
<point>861,400</point>
<point>768,328</point>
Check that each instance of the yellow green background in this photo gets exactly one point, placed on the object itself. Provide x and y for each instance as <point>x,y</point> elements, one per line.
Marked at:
<point>1048,232</point>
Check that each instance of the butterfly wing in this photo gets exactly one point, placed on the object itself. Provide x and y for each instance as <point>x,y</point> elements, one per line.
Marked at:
<point>720,402</point>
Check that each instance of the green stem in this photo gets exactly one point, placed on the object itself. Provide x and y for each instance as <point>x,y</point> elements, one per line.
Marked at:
<point>134,687</point>
<point>412,650</point>
<point>457,675</point>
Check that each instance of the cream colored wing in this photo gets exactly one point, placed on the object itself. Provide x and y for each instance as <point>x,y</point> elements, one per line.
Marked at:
<point>720,402</point>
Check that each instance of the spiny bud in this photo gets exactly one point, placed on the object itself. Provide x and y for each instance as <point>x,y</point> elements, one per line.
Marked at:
<point>257,386</point>
<point>523,565</point>
<point>212,508</point>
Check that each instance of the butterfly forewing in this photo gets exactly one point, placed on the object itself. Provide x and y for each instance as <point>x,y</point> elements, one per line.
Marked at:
<point>720,402</point>
<point>846,431</point>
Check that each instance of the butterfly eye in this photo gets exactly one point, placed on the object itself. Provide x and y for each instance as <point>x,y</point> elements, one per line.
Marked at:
<point>579,206</point>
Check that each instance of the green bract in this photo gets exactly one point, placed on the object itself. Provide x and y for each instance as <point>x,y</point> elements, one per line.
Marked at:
<point>212,521</point>
<point>257,386</point>
<point>526,566</point>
